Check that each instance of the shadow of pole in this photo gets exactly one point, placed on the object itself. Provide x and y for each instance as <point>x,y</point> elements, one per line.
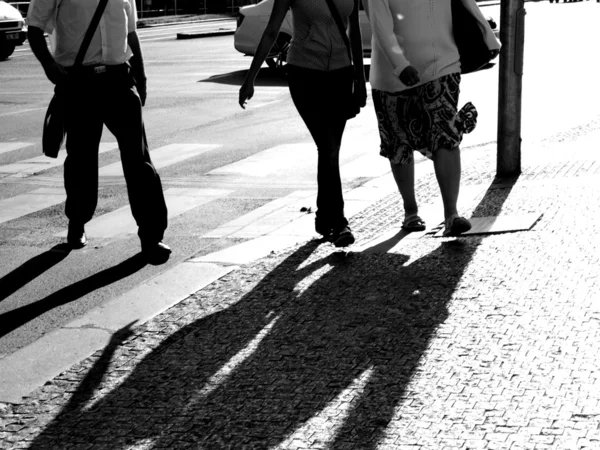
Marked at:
<point>315,333</point>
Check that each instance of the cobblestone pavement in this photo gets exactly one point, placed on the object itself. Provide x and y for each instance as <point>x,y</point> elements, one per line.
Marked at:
<point>481,342</point>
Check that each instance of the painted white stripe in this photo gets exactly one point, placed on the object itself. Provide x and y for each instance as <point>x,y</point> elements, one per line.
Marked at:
<point>33,201</point>
<point>268,217</point>
<point>163,157</point>
<point>21,111</point>
<point>121,222</point>
<point>6,147</point>
<point>275,159</point>
<point>37,164</point>
<point>251,250</point>
<point>370,166</point>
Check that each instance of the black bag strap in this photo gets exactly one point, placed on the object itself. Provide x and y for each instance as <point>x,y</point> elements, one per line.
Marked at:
<point>338,20</point>
<point>90,32</point>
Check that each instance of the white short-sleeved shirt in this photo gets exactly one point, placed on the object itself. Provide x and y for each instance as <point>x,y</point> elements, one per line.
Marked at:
<point>68,20</point>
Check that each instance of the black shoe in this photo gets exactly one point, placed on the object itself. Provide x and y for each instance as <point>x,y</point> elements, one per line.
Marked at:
<point>322,228</point>
<point>342,237</point>
<point>323,231</point>
<point>155,252</point>
<point>76,237</point>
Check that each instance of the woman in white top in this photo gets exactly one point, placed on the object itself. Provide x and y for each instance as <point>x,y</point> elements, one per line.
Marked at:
<point>321,79</point>
<point>415,76</point>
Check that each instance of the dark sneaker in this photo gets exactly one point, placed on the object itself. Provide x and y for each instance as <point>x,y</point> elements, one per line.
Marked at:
<point>342,237</point>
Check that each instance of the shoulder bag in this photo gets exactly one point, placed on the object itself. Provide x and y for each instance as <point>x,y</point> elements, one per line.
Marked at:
<point>55,122</point>
<point>474,38</point>
<point>353,105</point>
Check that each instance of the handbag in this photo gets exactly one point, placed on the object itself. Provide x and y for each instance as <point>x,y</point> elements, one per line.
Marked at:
<point>55,121</point>
<point>470,37</point>
<point>353,105</point>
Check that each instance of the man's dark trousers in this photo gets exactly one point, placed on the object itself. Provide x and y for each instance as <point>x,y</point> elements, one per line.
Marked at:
<point>107,95</point>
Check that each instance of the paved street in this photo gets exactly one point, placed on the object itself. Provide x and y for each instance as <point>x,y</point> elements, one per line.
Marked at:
<point>488,341</point>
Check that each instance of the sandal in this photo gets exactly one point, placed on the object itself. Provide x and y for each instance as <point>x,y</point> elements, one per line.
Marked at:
<point>455,226</point>
<point>413,223</point>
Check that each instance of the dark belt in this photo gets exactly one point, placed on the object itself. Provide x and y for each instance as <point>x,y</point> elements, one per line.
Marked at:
<point>99,70</point>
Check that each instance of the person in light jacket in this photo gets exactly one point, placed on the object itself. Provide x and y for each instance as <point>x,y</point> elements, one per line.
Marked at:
<point>415,79</point>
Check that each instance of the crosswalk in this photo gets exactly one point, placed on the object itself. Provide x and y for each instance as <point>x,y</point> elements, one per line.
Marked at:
<point>286,212</point>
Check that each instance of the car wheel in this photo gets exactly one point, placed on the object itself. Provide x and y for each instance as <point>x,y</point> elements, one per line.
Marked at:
<point>6,50</point>
<point>278,56</point>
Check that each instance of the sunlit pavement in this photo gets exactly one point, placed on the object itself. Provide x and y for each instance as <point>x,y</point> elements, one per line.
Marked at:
<point>488,341</point>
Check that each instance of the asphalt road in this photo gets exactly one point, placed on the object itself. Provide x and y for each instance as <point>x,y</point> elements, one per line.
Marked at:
<point>205,143</point>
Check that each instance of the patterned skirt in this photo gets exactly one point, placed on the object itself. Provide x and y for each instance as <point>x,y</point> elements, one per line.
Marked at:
<point>423,119</point>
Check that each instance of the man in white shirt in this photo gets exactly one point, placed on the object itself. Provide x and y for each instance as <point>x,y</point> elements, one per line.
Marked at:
<point>108,88</point>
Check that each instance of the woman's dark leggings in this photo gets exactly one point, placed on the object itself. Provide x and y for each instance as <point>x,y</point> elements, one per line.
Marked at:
<point>320,98</point>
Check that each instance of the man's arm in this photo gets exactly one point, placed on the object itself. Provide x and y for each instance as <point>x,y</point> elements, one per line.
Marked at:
<point>54,71</point>
<point>137,65</point>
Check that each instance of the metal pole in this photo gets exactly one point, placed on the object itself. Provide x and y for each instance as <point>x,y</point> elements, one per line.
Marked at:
<point>512,36</point>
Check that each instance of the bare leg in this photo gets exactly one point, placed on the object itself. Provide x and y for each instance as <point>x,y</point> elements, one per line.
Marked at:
<point>405,179</point>
<point>447,171</point>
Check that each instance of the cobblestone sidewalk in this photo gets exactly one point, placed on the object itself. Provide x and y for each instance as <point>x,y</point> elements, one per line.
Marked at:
<point>481,342</point>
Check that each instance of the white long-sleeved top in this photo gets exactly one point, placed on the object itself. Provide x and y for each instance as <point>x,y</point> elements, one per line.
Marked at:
<point>416,33</point>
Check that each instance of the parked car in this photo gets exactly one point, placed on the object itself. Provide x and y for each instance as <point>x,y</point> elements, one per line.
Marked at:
<point>12,29</point>
<point>252,21</point>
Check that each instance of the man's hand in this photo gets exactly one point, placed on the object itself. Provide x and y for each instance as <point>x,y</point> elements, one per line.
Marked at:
<point>55,72</point>
<point>410,76</point>
<point>360,93</point>
<point>140,85</point>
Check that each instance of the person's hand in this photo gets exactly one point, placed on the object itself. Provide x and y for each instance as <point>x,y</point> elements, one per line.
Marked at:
<point>55,72</point>
<point>246,92</point>
<point>360,93</point>
<point>141,86</point>
<point>409,76</point>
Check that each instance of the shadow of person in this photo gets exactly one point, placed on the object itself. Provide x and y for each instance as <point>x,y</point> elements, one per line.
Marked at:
<point>11,320</point>
<point>319,351</point>
<point>30,270</point>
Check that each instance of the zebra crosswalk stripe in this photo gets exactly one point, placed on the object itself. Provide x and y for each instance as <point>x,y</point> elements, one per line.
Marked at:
<point>163,157</point>
<point>37,164</point>
<point>121,221</point>
<point>272,160</point>
<point>6,147</point>
<point>21,205</point>
<point>267,218</point>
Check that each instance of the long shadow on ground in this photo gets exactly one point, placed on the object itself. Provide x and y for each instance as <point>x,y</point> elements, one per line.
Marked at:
<point>321,346</point>
<point>13,319</point>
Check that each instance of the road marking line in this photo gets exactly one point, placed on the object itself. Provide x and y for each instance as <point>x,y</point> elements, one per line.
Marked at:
<point>163,157</point>
<point>6,147</point>
<point>265,218</point>
<point>22,111</point>
<point>272,160</point>
<point>121,221</point>
<point>251,250</point>
<point>24,204</point>
<point>37,164</point>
